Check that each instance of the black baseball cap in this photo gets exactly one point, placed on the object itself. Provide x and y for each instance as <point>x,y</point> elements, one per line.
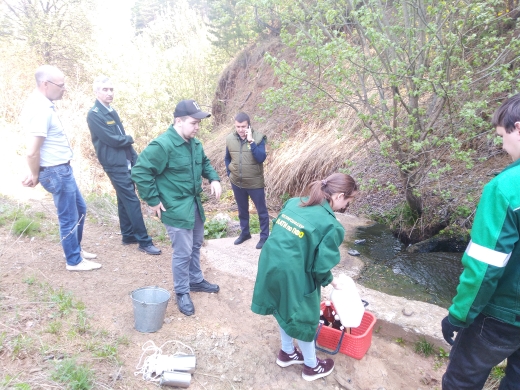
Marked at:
<point>189,108</point>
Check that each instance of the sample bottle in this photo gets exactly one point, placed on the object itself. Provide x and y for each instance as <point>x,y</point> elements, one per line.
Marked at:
<point>327,312</point>
<point>336,324</point>
<point>323,320</point>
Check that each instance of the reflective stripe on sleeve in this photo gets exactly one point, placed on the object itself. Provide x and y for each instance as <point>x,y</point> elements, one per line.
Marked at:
<point>486,255</point>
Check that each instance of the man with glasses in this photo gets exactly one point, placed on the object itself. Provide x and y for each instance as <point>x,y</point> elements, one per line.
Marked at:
<point>117,156</point>
<point>48,157</point>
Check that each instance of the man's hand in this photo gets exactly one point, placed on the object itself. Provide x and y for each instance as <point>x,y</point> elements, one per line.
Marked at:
<point>448,330</point>
<point>157,209</point>
<point>216,189</point>
<point>249,134</point>
<point>30,181</point>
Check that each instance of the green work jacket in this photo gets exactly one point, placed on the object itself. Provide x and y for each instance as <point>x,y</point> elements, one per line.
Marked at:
<point>294,264</point>
<point>170,170</point>
<point>490,281</point>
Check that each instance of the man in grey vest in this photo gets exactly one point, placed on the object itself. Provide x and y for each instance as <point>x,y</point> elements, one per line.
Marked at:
<point>245,154</point>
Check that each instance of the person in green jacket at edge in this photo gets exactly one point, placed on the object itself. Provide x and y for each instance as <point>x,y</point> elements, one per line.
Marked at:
<point>294,264</point>
<point>168,175</point>
<point>485,313</point>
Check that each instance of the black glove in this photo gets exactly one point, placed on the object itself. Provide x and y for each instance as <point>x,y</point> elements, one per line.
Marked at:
<point>448,329</point>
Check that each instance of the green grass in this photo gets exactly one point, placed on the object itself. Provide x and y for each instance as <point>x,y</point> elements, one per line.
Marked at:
<point>156,230</point>
<point>215,229</point>
<point>73,375</point>
<point>26,226</point>
<point>423,347</point>
<point>21,345</point>
<point>54,327</point>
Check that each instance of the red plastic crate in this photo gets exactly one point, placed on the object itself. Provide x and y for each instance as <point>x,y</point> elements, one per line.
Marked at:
<point>355,344</point>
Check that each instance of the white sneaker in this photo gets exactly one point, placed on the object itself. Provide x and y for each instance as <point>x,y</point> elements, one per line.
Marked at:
<point>85,255</point>
<point>88,256</point>
<point>85,265</point>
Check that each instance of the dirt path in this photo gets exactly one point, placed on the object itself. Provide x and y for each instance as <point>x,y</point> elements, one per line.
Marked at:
<point>235,348</point>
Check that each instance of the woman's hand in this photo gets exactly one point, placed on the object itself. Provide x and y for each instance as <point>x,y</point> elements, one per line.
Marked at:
<point>335,283</point>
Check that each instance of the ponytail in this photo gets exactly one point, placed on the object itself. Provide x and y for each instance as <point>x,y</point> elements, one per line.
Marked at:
<point>322,190</point>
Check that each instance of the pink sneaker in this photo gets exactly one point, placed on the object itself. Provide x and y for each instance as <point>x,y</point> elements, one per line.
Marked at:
<point>286,360</point>
<point>323,368</point>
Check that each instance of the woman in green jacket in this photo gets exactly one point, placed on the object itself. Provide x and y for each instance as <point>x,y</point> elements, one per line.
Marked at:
<point>295,263</point>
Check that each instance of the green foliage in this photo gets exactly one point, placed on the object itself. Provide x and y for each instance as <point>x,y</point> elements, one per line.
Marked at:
<point>156,229</point>
<point>400,216</point>
<point>215,228</point>
<point>421,76</point>
<point>400,341</point>
<point>254,224</point>
<point>497,373</point>
<point>204,197</point>
<point>64,301</point>
<point>21,345</point>
<point>54,327</point>
<point>73,375</point>
<point>285,197</point>
<point>58,32</point>
<point>232,24</point>
<point>26,226</point>
<point>443,354</point>
<point>423,347</point>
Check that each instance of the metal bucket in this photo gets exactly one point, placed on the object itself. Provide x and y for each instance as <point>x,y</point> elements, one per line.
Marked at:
<point>149,308</point>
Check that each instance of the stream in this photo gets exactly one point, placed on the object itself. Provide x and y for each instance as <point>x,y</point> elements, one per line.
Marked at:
<point>429,277</point>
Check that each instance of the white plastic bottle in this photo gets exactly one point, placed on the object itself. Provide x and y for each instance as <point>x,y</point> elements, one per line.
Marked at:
<point>347,302</point>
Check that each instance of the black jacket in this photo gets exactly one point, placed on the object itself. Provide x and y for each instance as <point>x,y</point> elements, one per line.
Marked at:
<point>113,147</point>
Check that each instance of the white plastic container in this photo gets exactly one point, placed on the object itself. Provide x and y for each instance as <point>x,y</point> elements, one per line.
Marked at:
<point>347,302</point>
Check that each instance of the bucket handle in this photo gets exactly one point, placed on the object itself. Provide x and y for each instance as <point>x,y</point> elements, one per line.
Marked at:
<point>324,349</point>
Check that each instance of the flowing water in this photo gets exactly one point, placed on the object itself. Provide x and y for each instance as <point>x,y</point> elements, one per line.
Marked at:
<point>428,277</point>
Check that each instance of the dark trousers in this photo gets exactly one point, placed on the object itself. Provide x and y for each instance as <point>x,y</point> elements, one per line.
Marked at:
<point>129,209</point>
<point>479,348</point>
<point>257,195</point>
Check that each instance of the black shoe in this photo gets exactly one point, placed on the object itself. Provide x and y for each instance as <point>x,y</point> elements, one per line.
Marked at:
<point>204,286</point>
<point>261,243</point>
<point>241,239</point>
<point>150,250</point>
<point>130,242</point>
<point>185,304</point>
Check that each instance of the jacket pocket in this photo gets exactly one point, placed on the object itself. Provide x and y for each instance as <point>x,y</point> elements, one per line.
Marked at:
<point>180,168</point>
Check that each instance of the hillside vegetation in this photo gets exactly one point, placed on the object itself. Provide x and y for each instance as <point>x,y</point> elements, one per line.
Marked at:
<point>398,94</point>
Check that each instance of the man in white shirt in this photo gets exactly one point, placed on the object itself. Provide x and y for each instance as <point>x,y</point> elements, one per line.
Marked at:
<point>48,157</point>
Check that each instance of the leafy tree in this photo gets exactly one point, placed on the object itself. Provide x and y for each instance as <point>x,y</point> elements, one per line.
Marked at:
<point>58,31</point>
<point>146,11</point>
<point>422,76</point>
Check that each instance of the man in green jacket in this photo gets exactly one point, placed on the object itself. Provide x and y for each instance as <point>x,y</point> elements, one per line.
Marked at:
<point>486,310</point>
<point>245,155</point>
<point>116,155</point>
<point>168,175</point>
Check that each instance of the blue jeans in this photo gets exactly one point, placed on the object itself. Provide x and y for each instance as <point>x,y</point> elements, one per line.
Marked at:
<point>307,347</point>
<point>257,195</point>
<point>480,347</point>
<point>186,245</point>
<point>70,206</point>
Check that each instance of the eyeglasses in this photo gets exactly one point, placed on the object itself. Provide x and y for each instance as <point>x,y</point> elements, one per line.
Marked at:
<point>62,86</point>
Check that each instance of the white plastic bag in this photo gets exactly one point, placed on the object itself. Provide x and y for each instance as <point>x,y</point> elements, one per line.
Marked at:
<point>347,302</point>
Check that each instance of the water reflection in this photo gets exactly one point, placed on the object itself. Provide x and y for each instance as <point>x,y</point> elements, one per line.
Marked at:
<point>429,277</point>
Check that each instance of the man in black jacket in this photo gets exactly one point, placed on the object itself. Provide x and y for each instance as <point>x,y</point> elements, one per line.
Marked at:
<point>117,156</point>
